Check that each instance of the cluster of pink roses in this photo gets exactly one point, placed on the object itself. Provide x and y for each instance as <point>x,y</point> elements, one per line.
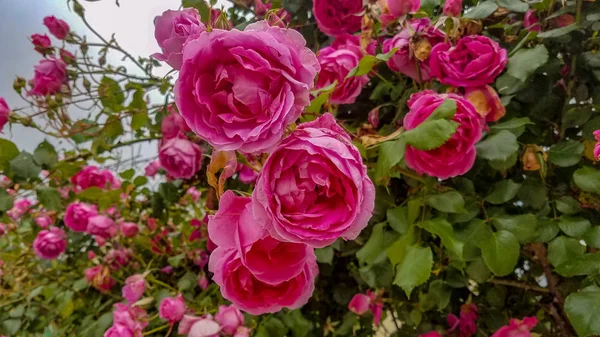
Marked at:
<point>466,325</point>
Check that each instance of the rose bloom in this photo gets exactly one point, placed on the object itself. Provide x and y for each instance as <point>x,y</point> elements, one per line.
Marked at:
<point>129,229</point>
<point>597,146</point>
<point>457,155</point>
<point>466,323</point>
<point>49,76</point>
<point>78,214</point>
<point>173,126</point>
<point>43,221</point>
<point>517,328</point>
<point>152,168</point>
<point>452,7</point>
<point>118,258</point>
<point>41,42</point>
<point>91,176</point>
<point>172,30</point>
<point>431,334</point>
<point>134,288</point>
<point>132,317</point>
<point>19,209</point>
<point>118,330</point>
<point>531,22</point>
<point>476,60</point>
<point>314,187</point>
<point>405,60</point>
<point>57,27</point>
<point>4,113</point>
<point>242,331</point>
<point>180,158</point>
<point>99,277</point>
<point>102,226</point>
<point>49,244</point>
<point>230,318</point>
<point>172,309</point>
<point>336,17</point>
<point>398,8</point>
<point>239,90</point>
<point>486,101</point>
<point>204,326</point>
<point>359,304</point>
<point>336,62</point>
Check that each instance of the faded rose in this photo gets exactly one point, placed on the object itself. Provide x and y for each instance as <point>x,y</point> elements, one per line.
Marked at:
<point>180,158</point>
<point>172,30</point>
<point>531,22</point>
<point>336,62</point>
<point>78,214</point>
<point>239,90</point>
<point>49,77</point>
<point>336,17</point>
<point>57,27</point>
<point>49,244</point>
<point>405,59</point>
<point>476,60</point>
<point>92,176</point>
<point>457,155</point>
<point>314,187</point>
<point>486,101</point>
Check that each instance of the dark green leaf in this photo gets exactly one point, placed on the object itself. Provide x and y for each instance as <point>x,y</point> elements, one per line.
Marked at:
<point>502,192</point>
<point>45,155</point>
<point>592,237</point>
<point>398,219</point>
<point>430,134</point>
<point>378,275</point>
<point>111,95</point>
<point>522,226</point>
<point>49,197</point>
<point>501,252</point>
<point>8,151</point>
<point>573,226</point>
<point>499,146</point>
<point>525,61</point>
<point>583,310</point>
<point>567,205</point>
<point>482,10</point>
<point>512,124</point>
<point>563,249</point>
<point>298,324</point>
<point>533,193</point>
<point>449,202</point>
<point>558,31</point>
<point>513,5</point>
<point>415,269</point>
<point>6,201</point>
<point>444,230</point>
<point>390,154</point>
<point>374,250</point>
<point>567,153</point>
<point>588,179</point>
<point>324,255</point>
<point>586,264</point>
<point>24,166</point>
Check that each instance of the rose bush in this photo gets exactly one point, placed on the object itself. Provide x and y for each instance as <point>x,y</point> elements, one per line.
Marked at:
<point>316,168</point>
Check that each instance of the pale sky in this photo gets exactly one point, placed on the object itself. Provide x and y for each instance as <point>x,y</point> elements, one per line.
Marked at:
<point>132,24</point>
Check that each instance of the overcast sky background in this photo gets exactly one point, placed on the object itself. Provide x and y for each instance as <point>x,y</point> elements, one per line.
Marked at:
<point>132,24</point>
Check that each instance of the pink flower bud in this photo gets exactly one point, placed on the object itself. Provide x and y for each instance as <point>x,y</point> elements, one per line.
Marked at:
<point>41,42</point>
<point>129,229</point>
<point>43,221</point>
<point>57,27</point>
<point>359,304</point>
<point>203,282</point>
<point>134,288</point>
<point>230,319</point>
<point>172,309</point>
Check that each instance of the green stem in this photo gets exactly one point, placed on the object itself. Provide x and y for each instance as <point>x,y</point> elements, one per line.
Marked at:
<point>157,329</point>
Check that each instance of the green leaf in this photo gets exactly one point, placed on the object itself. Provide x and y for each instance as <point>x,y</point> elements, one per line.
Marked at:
<point>586,264</point>
<point>398,219</point>
<point>11,326</point>
<point>169,192</point>
<point>547,230</point>
<point>499,146</point>
<point>563,249</point>
<point>415,269</point>
<point>478,271</point>
<point>482,10</point>
<point>449,202</point>
<point>522,226</point>
<point>592,237</point>
<point>583,310</point>
<point>366,64</point>
<point>476,233</point>
<point>321,96</point>
<point>501,252</point>
<point>502,192</point>
<point>175,261</point>
<point>298,324</point>
<point>6,201</point>
<point>573,226</point>
<point>45,155</point>
<point>49,197</point>
<point>587,179</point>
<point>139,120</point>
<point>513,5</point>
<point>512,124</point>
<point>378,275</point>
<point>525,61</point>
<point>430,134</point>
<point>446,110</point>
<point>140,180</point>
<point>567,205</point>
<point>575,117</point>
<point>558,31</point>
<point>567,153</point>
<point>201,5</point>
<point>445,231</point>
<point>533,193</point>
<point>324,255</point>
<point>111,95</point>
<point>127,174</point>
<point>8,151</point>
<point>504,165</point>
<point>390,154</point>
<point>24,166</point>
<point>374,250</point>
<point>91,193</point>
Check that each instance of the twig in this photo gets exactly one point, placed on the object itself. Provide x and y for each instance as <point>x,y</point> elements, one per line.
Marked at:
<point>520,285</point>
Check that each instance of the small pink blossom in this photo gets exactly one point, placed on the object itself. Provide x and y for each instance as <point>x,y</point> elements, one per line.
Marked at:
<point>41,42</point>
<point>118,258</point>
<point>431,334</point>
<point>20,207</point>
<point>43,221</point>
<point>172,309</point>
<point>359,304</point>
<point>92,176</point>
<point>517,328</point>
<point>193,193</point>
<point>203,282</point>
<point>152,168</point>
<point>57,27</point>
<point>49,244</point>
<point>4,113</point>
<point>49,77</point>
<point>129,229</point>
<point>230,318</point>
<point>2,229</point>
<point>78,215</point>
<point>466,324</point>
<point>134,288</point>
<point>102,226</point>
<point>242,331</point>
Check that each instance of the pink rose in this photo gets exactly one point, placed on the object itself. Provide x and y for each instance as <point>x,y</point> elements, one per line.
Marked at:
<point>517,328</point>
<point>486,101</point>
<point>597,146</point>
<point>49,244</point>
<point>452,7</point>
<point>129,229</point>
<point>100,278</point>
<point>336,63</point>
<point>457,155</point>
<point>180,158</point>
<point>248,257</point>
<point>119,331</point>
<point>41,42</point>
<point>91,176</point>
<point>531,22</point>
<point>152,168</point>
<point>43,221</point>
<point>336,17</point>
<point>230,318</point>
<point>2,229</point>
<point>203,327</point>
<point>172,309</point>
<point>91,255</point>
<point>398,8</point>
<point>172,29</point>
<point>49,77</point>
<point>242,331</point>
<point>476,60</point>
<point>405,59</point>
<point>186,323</point>
<point>431,334</point>
<point>102,226</point>
<point>57,27</point>
<point>4,113</point>
<point>132,317</point>
<point>20,207</point>
<point>193,193</point>
<point>134,288</point>
<point>359,304</point>
<point>466,324</point>
<point>118,258</point>
<point>167,269</point>
<point>314,187</point>
<point>173,126</point>
<point>239,90</point>
<point>246,174</point>
<point>78,214</point>
<point>203,282</point>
